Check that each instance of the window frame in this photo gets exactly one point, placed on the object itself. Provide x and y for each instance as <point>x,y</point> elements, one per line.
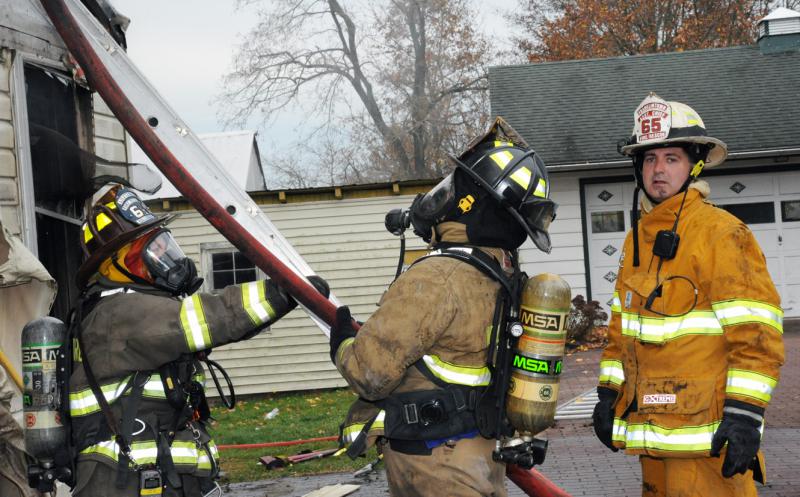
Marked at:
<point>207,249</point>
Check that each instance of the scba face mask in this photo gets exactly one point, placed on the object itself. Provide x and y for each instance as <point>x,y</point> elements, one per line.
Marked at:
<point>169,267</point>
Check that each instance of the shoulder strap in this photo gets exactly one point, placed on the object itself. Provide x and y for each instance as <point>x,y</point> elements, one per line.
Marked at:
<point>113,426</point>
<point>476,258</point>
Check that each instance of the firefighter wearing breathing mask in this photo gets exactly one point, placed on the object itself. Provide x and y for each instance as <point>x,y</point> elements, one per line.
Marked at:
<point>136,401</point>
<point>419,363</point>
<point>695,337</point>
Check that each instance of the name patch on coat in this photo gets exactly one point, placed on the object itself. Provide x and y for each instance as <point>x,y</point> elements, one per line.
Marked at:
<point>658,398</point>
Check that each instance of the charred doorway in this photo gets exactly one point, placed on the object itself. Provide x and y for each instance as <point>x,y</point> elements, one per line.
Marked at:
<point>57,107</point>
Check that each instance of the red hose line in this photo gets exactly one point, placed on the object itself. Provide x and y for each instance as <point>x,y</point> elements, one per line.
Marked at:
<point>276,444</point>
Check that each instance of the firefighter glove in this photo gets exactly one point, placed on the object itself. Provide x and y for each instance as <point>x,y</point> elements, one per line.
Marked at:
<point>341,330</point>
<point>603,416</point>
<point>740,429</point>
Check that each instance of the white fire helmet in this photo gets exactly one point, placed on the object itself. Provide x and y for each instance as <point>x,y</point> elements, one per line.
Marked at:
<point>658,123</point>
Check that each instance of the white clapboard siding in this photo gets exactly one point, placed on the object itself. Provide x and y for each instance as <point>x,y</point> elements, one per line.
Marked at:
<point>567,257</point>
<point>109,135</point>
<point>346,243</point>
<point>9,197</point>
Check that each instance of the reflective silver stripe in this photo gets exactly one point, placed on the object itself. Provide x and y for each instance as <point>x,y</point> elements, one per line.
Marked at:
<point>658,330</point>
<point>83,402</point>
<point>459,375</point>
<point>193,321</point>
<point>255,302</point>
<point>649,436</point>
<point>733,312</point>
<point>750,384</point>
<point>349,433</point>
<point>611,371</point>
<point>616,304</point>
<point>141,452</point>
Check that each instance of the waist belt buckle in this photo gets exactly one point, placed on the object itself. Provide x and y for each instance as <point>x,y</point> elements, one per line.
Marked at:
<point>432,412</point>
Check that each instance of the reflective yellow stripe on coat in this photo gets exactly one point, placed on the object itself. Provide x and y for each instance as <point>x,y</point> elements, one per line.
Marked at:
<point>83,402</point>
<point>183,452</point>
<point>193,322</point>
<point>458,375</point>
<point>664,329</point>
<point>611,372</point>
<point>750,384</point>
<point>351,432</point>
<point>649,436</point>
<point>255,302</point>
<point>733,312</point>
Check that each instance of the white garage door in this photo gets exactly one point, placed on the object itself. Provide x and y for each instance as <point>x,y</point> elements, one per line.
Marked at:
<point>768,202</point>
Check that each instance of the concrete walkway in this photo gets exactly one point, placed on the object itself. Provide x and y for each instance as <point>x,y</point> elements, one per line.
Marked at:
<point>582,466</point>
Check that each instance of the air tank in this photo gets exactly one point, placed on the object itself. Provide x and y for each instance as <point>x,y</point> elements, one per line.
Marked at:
<point>536,361</point>
<point>44,431</point>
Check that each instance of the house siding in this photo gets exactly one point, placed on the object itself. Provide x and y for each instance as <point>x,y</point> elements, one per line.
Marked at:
<point>9,190</point>
<point>346,243</point>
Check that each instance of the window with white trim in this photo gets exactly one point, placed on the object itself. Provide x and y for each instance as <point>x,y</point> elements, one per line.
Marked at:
<point>224,265</point>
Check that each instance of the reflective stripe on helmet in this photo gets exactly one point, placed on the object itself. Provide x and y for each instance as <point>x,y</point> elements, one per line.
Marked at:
<point>649,436</point>
<point>458,375</point>
<point>255,302</point>
<point>350,432</point>
<point>100,221</point>
<point>502,158</point>
<point>523,178</point>
<point>193,322</point>
<point>611,371</point>
<point>541,189</point>
<point>733,312</point>
<point>750,384</point>
<point>663,329</point>
<point>83,402</point>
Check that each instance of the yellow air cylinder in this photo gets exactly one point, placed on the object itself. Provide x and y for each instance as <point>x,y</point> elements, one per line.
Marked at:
<point>536,362</point>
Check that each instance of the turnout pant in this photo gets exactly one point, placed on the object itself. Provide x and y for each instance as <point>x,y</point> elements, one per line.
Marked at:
<point>700,477</point>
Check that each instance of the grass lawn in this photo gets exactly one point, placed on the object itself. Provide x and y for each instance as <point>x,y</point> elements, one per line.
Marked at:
<point>301,415</point>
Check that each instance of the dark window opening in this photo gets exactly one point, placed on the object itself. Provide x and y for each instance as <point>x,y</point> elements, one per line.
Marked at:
<point>755,213</point>
<point>608,222</point>
<point>790,210</point>
<point>230,268</point>
<point>54,102</point>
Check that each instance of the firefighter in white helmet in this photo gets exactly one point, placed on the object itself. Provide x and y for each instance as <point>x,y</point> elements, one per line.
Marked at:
<point>695,336</point>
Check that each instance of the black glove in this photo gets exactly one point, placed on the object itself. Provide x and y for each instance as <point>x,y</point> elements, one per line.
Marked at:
<point>320,284</point>
<point>603,416</point>
<point>341,330</point>
<point>740,429</point>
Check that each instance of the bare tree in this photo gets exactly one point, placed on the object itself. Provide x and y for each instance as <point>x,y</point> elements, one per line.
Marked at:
<point>404,79</point>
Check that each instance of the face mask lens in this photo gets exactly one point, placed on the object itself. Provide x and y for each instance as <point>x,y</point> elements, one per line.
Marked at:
<point>434,203</point>
<point>163,252</point>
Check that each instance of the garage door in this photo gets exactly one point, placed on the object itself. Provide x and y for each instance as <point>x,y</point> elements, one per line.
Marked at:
<point>768,202</point>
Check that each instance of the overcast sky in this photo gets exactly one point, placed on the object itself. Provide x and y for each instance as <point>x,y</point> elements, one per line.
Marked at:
<point>184,47</point>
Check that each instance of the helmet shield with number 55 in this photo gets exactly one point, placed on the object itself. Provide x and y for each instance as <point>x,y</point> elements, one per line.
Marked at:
<point>116,217</point>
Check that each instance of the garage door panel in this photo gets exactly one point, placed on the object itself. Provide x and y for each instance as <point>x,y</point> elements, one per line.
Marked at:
<point>741,186</point>
<point>606,194</point>
<point>791,300</point>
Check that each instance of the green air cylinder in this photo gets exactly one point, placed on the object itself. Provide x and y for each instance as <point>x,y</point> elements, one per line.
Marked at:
<point>44,432</point>
<point>536,362</point>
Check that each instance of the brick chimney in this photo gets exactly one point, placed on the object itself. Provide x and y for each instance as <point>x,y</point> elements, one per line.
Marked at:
<point>779,31</point>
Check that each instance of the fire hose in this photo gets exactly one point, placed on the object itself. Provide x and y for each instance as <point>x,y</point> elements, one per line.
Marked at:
<point>146,133</point>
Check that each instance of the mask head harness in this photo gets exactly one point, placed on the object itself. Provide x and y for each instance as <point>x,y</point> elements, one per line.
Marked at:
<point>119,227</point>
<point>660,124</point>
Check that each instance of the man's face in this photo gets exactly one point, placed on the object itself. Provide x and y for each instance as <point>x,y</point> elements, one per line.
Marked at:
<point>665,170</point>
